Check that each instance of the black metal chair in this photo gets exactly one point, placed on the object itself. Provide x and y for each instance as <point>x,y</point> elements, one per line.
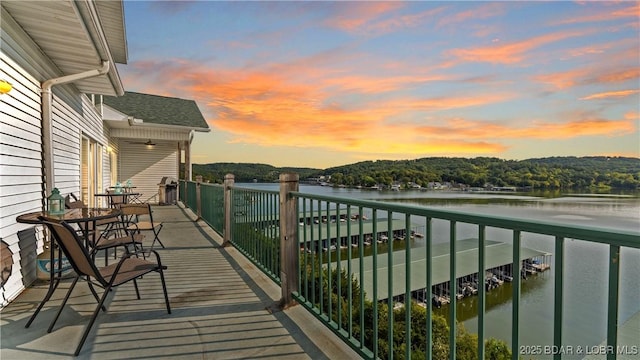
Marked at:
<point>140,218</point>
<point>129,268</point>
<point>111,234</point>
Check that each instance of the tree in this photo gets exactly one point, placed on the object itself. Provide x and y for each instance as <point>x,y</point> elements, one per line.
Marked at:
<point>466,343</point>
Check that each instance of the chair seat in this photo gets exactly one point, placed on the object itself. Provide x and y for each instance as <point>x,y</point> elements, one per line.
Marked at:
<point>143,225</point>
<point>131,268</point>
<point>119,241</point>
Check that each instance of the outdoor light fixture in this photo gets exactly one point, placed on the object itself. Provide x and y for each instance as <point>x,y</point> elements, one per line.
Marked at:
<point>5,87</point>
<point>55,203</point>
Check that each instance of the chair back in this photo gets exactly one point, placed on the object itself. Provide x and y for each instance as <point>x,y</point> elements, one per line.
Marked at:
<point>73,248</point>
<point>132,212</point>
<point>75,204</point>
<point>115,201</point>
<point>135,209</point>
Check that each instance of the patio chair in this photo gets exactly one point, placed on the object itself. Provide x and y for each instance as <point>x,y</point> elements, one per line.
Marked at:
<point>140,218</point>
<point>115,201</point>
<point>129,268</point>
<point>114,234</point>
<point>72,202</point>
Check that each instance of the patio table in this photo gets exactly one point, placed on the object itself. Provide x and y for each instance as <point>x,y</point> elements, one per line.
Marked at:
<point>127,197</point>
<point>86,218</point>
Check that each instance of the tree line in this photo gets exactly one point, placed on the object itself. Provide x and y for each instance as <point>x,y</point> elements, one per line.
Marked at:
<point>541,173</point>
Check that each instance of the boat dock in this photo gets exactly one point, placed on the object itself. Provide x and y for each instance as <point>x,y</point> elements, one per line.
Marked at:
<point>325,236</point>
<point>498,264</point>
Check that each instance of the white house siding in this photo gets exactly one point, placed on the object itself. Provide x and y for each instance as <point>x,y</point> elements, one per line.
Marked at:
<point>146,166</point>
<point>68,128</point>
<point>20,169</point>
<point>21,182</point>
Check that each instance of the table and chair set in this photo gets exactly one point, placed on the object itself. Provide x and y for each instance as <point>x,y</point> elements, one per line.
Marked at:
<point>78,234</point>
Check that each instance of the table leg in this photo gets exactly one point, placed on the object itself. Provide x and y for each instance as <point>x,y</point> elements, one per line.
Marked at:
<point>94,228</point>
<point>54,281</point>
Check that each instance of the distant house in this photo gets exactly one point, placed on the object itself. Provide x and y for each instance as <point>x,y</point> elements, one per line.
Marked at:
<point>61,125</point>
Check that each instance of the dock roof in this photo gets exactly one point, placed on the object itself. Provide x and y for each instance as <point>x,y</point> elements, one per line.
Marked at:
<point>348,227</point>
<point>497,254</point>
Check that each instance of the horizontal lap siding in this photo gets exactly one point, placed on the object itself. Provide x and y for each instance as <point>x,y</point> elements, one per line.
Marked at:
<point>20,171</point>
<point>21,158</point>
<point>146,166</point>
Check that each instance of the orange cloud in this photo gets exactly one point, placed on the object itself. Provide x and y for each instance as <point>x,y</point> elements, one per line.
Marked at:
<point>467,129</point>
<point>447,103</point>
<point>619,76</point>
<point>368,84</point>
<point>587,76</point>
<point>630,11</point>
<point>610,94</point>
<point>354,16</point>
<point>406,21</point>
<point>510,53</point>
<point>269,108</point>
<point>573,129</point>
<point>481,12</point>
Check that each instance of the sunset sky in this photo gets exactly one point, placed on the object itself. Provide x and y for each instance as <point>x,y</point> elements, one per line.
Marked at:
<point>321,84</point>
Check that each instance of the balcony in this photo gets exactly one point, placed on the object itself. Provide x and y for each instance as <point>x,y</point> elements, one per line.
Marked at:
<point>227,300</point>
<point>223,307</point>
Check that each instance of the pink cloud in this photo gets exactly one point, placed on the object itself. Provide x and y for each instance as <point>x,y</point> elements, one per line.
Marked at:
<point>509,53</point>
<point>600,15</point>
<point>354,16</point>
<point>610,94</point>
<point>484,11</point>
<point>270,108</point>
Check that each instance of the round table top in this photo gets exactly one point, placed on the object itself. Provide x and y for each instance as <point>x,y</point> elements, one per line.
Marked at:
<point>121,194</point>
<point>70,215</point>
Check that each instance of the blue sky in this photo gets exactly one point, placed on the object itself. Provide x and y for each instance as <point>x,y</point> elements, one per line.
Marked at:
<point>321,84</point>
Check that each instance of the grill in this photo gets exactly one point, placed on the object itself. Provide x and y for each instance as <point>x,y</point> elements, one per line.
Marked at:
<point>168,191</point>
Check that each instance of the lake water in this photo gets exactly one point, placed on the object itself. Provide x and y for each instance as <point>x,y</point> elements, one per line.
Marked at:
<point>586,264</point>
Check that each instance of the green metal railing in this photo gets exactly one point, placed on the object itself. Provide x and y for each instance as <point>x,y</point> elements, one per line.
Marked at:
<point>343,220</point>
<point>212,206</point>
<point>374,244</point>
<point>182,191</point>
<point>191,196</point>
<point>256,228</point>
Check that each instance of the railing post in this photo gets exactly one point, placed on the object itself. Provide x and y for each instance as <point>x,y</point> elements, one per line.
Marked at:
<point>289,246</point>
<point>198,197</point>
<point>229,181</point>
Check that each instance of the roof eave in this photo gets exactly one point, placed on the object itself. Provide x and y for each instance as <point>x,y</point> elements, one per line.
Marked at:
<point>72,35</point>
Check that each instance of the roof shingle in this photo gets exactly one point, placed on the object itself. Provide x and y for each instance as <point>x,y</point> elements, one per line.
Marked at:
<point>159,110</point>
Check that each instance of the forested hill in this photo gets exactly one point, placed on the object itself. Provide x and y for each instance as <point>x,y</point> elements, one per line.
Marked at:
<point>247,172</point>
<point>553,172</point>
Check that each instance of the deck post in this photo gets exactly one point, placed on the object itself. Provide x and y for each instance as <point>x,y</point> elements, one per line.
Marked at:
<point>229,181</point>
<point>198,197</point>
<point>289,246</point>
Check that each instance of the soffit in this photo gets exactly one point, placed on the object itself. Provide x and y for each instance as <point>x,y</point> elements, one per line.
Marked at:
<point>77,36</point>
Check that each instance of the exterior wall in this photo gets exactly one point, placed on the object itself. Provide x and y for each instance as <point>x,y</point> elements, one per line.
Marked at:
<point>146,166</point>
<point>69,126</point>
<point>21,157</point>
<point>20,170</point>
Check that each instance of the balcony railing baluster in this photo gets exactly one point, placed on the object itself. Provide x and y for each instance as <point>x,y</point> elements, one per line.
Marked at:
<point>612,314</point>
<point>481,289</point>
<point>558,295</point>
<point>515,299</point>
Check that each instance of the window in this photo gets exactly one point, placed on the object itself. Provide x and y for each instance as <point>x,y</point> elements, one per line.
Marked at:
<point>91,175</point>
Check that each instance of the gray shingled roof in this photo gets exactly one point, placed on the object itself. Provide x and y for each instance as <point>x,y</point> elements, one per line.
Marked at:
<point>159,110</point>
